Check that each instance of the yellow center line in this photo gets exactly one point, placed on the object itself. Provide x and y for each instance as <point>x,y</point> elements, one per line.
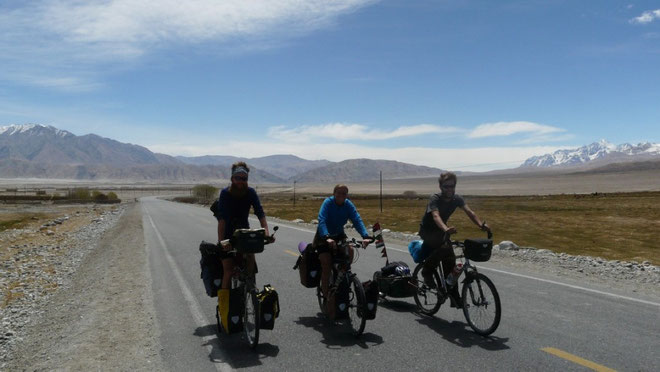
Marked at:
<point>291,253</point>
<point>577,359</point>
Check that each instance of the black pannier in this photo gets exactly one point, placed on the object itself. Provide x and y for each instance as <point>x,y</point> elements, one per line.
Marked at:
<point>338,301</point>
<point>309,267</point>
<point>211,266</point>
<point>249,240</point>
<point>371,295</point>
<point>269,307</point>
<point>478,250</point>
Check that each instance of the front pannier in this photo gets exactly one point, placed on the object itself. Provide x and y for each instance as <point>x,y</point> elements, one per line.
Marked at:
<point>478,250</point>
<point>269,307</point>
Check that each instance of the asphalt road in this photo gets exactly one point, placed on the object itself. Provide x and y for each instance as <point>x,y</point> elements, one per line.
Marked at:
<point>546,324</point>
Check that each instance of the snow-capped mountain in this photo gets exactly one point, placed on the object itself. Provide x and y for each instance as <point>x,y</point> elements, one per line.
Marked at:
<point>33,129</point>
<point>601,151</point>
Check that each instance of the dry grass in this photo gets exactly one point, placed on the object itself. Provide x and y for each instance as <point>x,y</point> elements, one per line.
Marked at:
<point>616,226</point>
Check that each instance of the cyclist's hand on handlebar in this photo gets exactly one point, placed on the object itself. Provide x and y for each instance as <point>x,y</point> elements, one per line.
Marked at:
<point>451,230</point>
<point>270,239</point>
<point>485,227</point>
<point>331,243</point>
<point>366,242</point>
<point>225,245</point>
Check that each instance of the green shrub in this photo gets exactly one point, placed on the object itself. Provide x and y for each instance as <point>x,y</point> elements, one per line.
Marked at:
<point>80,193</point>
<point>205,192</point>
<point>112,196</point>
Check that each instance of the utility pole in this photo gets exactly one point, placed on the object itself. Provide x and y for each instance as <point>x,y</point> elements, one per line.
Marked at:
<point>294,193</point>
<point>381,191</point>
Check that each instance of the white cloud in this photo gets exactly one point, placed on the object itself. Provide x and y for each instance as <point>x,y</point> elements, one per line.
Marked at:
<point>346,132</point>
<point>647,17</point>
<point>67,36</point>
<point>511,128</point>
<point>467,159</point>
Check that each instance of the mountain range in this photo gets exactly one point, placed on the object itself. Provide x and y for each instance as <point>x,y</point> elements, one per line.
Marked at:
<point>38,151</point>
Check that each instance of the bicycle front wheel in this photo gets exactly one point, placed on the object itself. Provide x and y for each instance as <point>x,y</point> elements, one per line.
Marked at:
<point>357,307</point>
<point>427,298</point>
<point>251,317</point>
<point>481,304</point>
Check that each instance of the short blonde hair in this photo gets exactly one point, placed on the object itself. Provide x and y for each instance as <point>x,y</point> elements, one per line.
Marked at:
<point>339,186</point>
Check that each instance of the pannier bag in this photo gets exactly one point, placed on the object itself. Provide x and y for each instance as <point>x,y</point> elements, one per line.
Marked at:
<point>371,294</point>
<point>478,250</point>
<point>230,309</point>
<point>269,307</point>
<point>419,251</point>
<point>338,298</point>
<point>309,266</point>
<point>249,240</point>
<point>211,266</point>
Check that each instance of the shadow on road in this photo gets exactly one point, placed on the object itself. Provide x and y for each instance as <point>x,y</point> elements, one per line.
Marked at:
<point>461,334</point>
<point>234,349</point>
<point>396,305</point>
<point>337,335</point>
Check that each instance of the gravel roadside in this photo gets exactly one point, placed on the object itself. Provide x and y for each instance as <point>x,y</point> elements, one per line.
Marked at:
<point>102,318</point>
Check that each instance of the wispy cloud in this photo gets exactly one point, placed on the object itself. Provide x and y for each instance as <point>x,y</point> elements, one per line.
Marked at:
<point>647,17</point>
<point>500,129</point>
<point>347,132</point>
<point>67,36</point>
<point>469,159</point>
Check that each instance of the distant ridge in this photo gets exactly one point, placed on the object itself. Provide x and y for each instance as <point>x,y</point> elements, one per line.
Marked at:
<point>597,153</point>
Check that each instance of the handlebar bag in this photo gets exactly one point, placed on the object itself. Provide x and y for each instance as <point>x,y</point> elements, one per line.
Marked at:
<point>211,266</point>
<point>269,307</point>
<point>230,309</point>
<point>478,250</point>
<point>249,240</point>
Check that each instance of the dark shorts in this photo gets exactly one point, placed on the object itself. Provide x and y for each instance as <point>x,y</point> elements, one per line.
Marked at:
<point>322,246</point>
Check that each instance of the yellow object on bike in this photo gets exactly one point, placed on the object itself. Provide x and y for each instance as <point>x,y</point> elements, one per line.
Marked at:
<point>230,308</point>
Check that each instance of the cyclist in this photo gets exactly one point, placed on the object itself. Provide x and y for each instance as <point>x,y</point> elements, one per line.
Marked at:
<point>335,211</point>
<point>434,228</point>
<point>232,213</point>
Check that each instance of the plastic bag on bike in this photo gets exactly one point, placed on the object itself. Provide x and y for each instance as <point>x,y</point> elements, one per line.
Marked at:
<point>230,309</point>
<point>269,307</point>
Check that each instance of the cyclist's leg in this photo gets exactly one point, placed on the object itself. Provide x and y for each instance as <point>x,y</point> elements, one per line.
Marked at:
<point>228,270</point>
<point>326,268</point>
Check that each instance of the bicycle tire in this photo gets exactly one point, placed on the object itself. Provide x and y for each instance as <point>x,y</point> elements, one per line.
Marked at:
<point>217,318</point>
<point>251,317</point>
<point>428,300</point>
<point>477,300</point>
<point>357,307</point>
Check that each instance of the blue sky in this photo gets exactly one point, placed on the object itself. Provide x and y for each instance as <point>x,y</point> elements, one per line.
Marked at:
<point>465,85</point>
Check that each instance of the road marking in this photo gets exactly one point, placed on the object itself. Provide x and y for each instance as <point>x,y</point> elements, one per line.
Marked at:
<point>291,253</point>
<point>193,305</point>
<point>577,359</point>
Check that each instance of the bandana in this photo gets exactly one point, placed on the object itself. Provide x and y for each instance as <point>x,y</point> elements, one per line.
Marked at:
<point>238,170</point>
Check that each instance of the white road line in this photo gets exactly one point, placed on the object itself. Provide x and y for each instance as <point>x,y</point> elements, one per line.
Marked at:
<point>193,305</point>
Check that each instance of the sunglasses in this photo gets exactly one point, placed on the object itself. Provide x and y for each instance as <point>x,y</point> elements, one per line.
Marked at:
<point>240,178</point>
<point>452,186</point>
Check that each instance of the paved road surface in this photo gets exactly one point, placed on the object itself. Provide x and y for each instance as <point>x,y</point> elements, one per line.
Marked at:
<point>546,325</point>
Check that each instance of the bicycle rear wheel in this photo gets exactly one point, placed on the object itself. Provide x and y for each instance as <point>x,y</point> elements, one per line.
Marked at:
<point>251,317</point>
<point>481,304</point>
<point>428,299</point>
<point>357,307</point>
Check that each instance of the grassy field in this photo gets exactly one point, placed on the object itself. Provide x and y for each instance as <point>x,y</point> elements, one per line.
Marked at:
<point>614,226</point>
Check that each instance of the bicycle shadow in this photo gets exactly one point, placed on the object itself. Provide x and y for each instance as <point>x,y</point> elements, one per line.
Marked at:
<point>460,333</point>
<point>397,305</point>
<point>336,335</point>
<point>233,349</point>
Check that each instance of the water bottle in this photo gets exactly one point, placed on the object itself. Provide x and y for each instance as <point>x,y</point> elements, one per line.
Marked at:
<point>453,276</point>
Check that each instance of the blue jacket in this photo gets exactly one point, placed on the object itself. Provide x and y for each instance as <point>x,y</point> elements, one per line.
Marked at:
<point>333,217</point>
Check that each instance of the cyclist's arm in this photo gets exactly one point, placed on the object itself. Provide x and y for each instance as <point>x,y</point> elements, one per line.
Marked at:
<point>221,229</point>
<point>264,224</point>
<point>438,221</point>
<point>475,219</point>
<point>323,216</point>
